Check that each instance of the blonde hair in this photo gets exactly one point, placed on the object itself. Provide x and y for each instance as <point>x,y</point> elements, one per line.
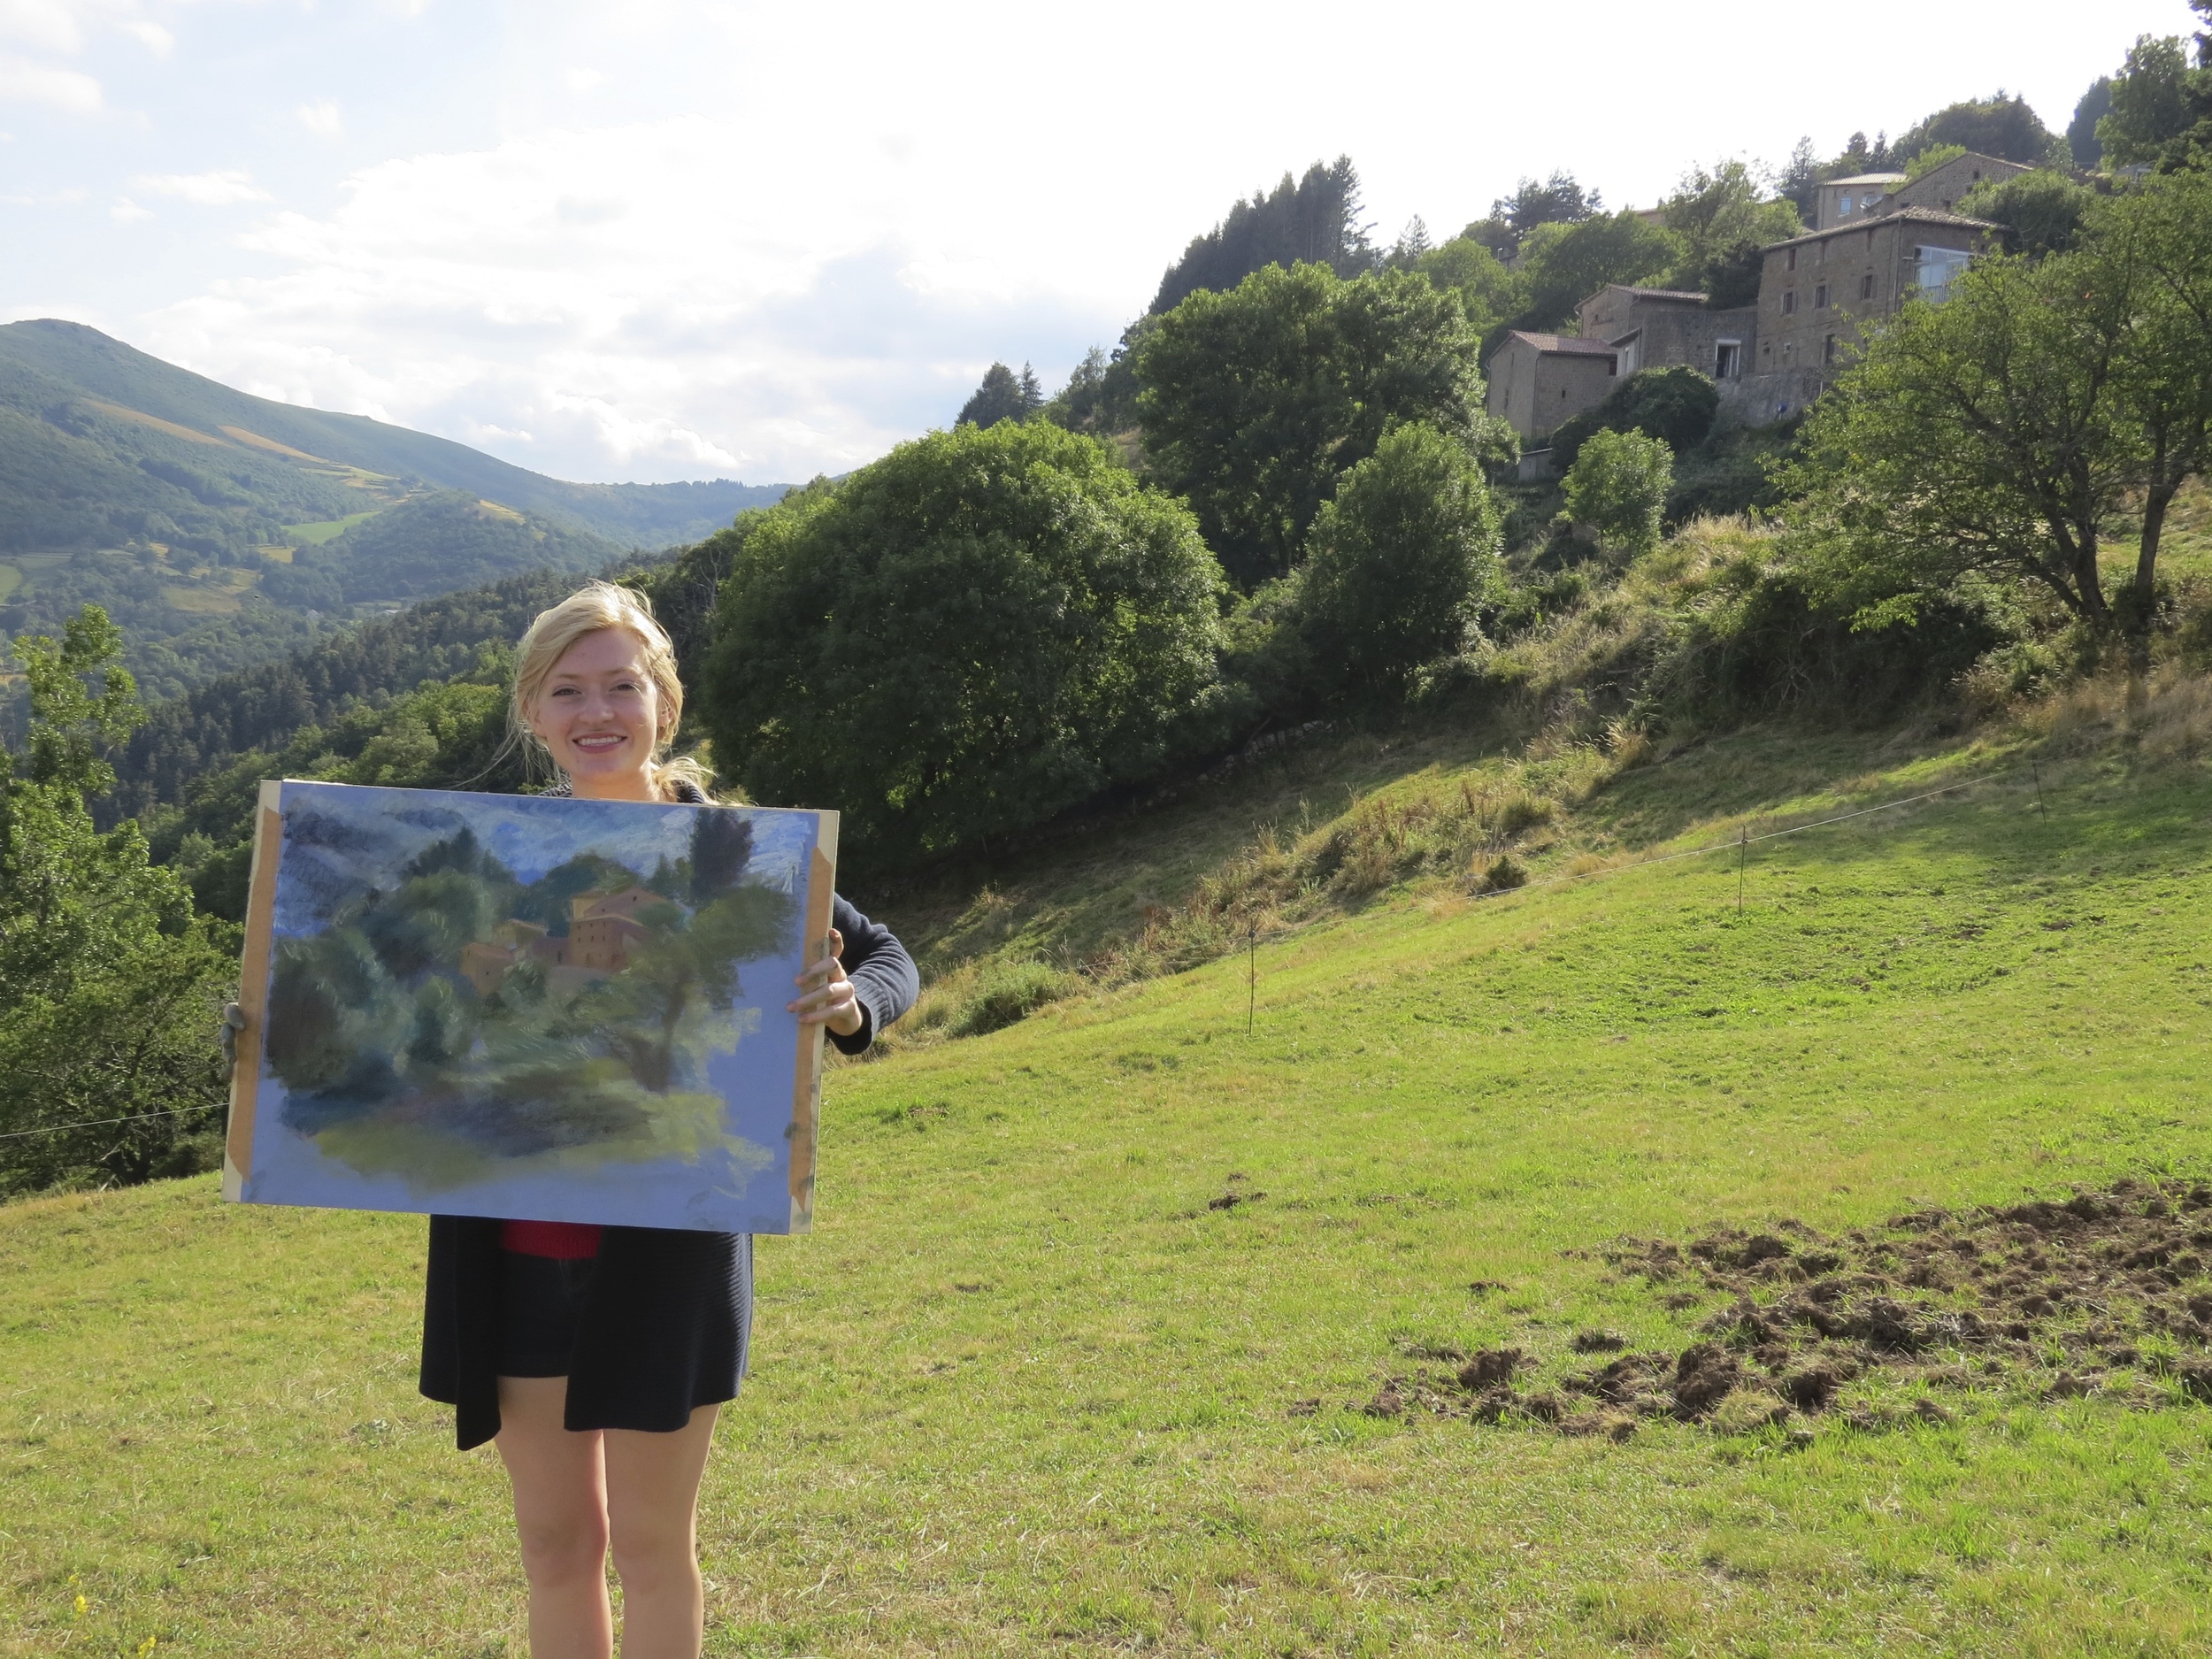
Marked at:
<point>591,608</point>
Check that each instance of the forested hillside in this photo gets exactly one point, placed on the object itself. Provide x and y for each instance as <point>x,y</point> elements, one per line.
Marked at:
<point>220,529</point>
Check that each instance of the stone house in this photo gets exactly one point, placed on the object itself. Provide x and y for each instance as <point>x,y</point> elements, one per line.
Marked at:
<point>1651,327</point>
<point>1538,380</point>
<point>1818,291</point>
<point>1943,189</point>
<point>1842,201</point>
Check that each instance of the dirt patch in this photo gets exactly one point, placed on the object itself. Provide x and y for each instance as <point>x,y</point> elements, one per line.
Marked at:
<point>2106,1293</point>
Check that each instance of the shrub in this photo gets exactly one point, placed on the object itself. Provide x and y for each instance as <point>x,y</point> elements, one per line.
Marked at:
<point>977,632</point>
<point>1400,562</point>
<point>1009,991</point>
<point>1257,401</point>
<point>1619,486</point>
<point>1676,404</point>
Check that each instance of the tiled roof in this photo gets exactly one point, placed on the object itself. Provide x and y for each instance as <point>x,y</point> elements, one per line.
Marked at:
<point>1689,295</point>
<point>1867,178</point>
<point>1571,344</point>
<point>1913,215</point>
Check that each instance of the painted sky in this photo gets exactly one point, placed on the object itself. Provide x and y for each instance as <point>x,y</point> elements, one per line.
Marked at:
<point>673,239</point>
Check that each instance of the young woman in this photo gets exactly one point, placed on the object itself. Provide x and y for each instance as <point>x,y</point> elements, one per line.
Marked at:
<point>596,1358</point>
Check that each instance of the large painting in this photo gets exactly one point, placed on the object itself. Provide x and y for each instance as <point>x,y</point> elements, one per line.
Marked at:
<point>543,1008</point>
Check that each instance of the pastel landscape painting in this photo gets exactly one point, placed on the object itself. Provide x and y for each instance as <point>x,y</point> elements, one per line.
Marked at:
<point>537,1008</point>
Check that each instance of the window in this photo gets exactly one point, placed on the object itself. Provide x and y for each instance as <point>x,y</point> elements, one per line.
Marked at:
<point>1789,302</point>
<point>1828,350</point>
<point>1820,297</point>
<point>1727,358</point>
<point>1843,207</point>
<point>1934,269</point>
<point>1866,286</point>
<point>1793,264</point>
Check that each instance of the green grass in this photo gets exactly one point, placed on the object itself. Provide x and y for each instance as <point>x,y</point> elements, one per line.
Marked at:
<point>1023,1392</point>
<point>327,529</point>
<point>11,579</point>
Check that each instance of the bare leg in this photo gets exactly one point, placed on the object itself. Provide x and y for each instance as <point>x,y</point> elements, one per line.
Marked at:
<point>653,1514</point>
<point>561,1514</point>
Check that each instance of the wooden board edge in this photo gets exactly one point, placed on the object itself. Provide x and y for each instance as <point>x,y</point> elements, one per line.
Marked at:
<point>253,988</point>
<point>806,1087</point>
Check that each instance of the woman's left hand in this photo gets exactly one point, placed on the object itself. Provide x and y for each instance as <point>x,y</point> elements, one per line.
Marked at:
<point>827,995</point>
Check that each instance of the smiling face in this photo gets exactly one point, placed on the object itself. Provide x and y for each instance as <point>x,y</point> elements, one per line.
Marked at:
<point>601,717</point>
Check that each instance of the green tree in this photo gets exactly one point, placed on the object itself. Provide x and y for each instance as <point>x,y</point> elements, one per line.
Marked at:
<point>1563,265</point>
<point>2151,104</point>
<point>109,987</point>
<point>2002,126</point>
<point>2042,212</point>
<point>1619,486</point>
<point>1998,434</point>
<point>1319,220</point>
<point>1464,266</point>
<point>1724,221</point>
<point>1003,396</point>
<point>1400,562</point>
<point>1255,401</point>
<point>2081,132</point>
<point>980,630</point>
<point>1675,403</point>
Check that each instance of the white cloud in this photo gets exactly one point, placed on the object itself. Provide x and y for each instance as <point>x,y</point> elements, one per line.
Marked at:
<point>583,80</point>
<point>319,116</point>
<point>151,35</point>
<point>664,300</point>
<point>204,189</point>
<point>127,212</point>
<point>50,25</point>
<point>23,81</point>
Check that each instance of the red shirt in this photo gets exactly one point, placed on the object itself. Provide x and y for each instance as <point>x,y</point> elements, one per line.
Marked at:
<point>562,1240</point>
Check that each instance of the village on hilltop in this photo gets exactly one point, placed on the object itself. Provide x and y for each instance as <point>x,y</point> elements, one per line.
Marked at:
<point>1878,239</point>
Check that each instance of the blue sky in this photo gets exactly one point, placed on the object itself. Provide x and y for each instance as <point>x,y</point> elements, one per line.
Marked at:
<point>670,238</point>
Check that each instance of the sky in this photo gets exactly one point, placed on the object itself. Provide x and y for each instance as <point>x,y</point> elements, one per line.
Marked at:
<point>677,239</point>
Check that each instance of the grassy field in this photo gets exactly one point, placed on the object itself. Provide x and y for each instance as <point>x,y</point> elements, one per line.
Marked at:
<point>328,529</point>
<point>1028,1390</point>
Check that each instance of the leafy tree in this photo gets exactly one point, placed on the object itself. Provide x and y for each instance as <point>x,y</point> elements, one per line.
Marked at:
<point>1563,265</point>
<point>1724,222</point>
<point>2151,104</point>
<point>109,987</point>
<point>980,630</point>
<point>1315,222</point>
<point>1619,486</point>
<point>2002,126</point>
<point>1998,434</point>
<point>1464,266</point>
<point>1557,200</point>
<point>1101,396</point>
<point>1929,160</point>
<point>1675,404</point>
<point>2081,132</point>
<point>1255,401</point>
<point>2042,212</point>
<point>1401,560</point>
<point>1799,181</point>
<point>1002,396</point>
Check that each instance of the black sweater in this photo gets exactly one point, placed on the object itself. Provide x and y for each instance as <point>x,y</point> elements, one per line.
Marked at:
<point>668,1316</point>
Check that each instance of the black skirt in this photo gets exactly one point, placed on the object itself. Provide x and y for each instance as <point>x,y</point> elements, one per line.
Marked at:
<point>662,1324</point>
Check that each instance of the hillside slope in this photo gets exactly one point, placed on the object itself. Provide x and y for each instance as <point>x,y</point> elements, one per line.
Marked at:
<point>1135,1326</point>
<point>51,361</point>
<point>221,529</point>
